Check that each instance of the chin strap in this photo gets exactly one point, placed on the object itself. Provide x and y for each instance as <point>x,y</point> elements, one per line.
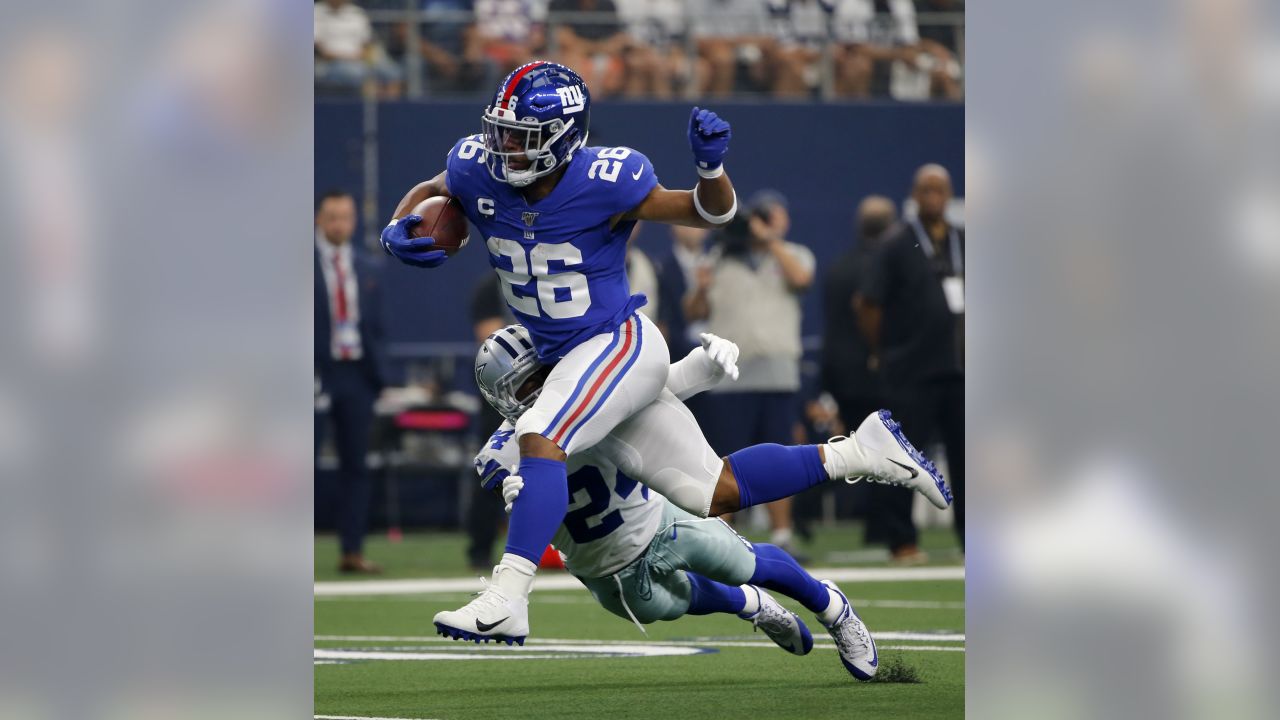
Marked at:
<point>715,219</point>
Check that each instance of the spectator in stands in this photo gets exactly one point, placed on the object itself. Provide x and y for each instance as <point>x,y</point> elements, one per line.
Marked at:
<point>346,54</point>
<point>656,63</point>
<point>729,33</point>
<point>589,39</point>
<point>348,363</point>
<point>847,374</point>
<point>882,35</point>
<point>677,276</point>
<point>945,33</point>
<point>642,277</point>
<point>801,28</point>
<point>750,292</point>
<point>448,44</point>
<point>911,310</point>
<point>489,312</point>
<point>510,32</point>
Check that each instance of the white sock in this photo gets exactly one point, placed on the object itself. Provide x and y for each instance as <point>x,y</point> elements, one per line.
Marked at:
<point>835,605</point>
<point>781,536</point>
<point>753,600</point>
<point>519,579</point>
<point>833,464</point>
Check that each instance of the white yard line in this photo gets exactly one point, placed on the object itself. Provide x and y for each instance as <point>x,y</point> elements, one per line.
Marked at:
<point>360,717</point>
<point>900,635</point>
<point>564,581</point>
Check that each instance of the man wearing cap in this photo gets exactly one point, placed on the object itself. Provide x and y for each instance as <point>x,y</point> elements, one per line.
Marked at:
<point>750,291</point>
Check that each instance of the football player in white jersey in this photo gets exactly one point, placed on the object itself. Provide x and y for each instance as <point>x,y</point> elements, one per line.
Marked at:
<point>663,448</point>
<point>645,559</point>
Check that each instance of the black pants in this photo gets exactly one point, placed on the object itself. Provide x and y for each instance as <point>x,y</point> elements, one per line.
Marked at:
<point>930,412</point>
<point>351,392</point>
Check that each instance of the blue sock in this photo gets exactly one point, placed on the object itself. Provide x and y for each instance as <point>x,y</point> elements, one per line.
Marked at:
<point>771,472</point>
<point>709,596</point>
<point>776,570</point>
<point>539,509</point>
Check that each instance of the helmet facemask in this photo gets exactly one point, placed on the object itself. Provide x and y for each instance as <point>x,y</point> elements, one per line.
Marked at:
<point>521,151</point>
<point>503,395</point>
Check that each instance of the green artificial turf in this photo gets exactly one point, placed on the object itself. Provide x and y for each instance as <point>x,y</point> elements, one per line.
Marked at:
<point>728,681</point>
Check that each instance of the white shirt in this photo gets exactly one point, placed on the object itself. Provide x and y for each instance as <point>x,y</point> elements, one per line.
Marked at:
<point>343,32</point>
<point>347,336</point>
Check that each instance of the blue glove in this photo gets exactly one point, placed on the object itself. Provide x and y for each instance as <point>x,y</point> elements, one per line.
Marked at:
<point>708,138</point>
<point>410,250</point>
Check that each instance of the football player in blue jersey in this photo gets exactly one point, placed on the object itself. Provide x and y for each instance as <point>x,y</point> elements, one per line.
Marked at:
<point>556,215</point>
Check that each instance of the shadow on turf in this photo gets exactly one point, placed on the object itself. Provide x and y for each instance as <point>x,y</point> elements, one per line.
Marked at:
<point>895,670</point>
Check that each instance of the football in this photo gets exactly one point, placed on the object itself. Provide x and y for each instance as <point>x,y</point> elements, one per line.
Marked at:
<point>443,220</point>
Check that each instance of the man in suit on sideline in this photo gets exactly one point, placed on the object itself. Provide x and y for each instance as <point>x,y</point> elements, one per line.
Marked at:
<point>348,363</point>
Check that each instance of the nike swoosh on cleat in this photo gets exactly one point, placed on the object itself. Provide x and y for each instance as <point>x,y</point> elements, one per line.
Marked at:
<point>486,627</point>
<point>908,468</point>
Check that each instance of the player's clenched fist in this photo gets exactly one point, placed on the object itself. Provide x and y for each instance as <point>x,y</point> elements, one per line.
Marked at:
<point>410,250</point>
<point>708,139</point>
<point>724,353</point>
<point>511,487</point>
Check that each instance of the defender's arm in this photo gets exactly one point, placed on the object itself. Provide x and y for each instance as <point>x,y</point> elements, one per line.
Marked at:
<point>704,367</point>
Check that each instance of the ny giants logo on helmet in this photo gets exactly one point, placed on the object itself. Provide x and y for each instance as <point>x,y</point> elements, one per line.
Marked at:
<point>571,98</point>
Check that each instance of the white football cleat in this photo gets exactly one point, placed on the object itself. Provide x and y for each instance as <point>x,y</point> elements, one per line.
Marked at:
<point>500,612</point>
<point>781,625</point>
<point>853,641</point>
<point>878,451</point>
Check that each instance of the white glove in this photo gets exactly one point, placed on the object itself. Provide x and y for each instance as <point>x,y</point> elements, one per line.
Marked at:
<point>511,487</point>
<point>723,353</point>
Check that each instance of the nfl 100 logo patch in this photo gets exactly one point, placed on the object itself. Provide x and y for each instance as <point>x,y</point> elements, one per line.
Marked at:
<point>529,217</point>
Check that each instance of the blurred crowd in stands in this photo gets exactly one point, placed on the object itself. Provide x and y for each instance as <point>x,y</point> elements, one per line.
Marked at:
<point>646,49</point>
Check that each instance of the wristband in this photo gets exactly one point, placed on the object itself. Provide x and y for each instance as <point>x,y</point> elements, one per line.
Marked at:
<point>715,219</point>
<point>711,174</point>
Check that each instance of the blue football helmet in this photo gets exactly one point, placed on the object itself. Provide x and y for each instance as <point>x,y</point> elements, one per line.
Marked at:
<point>539,117</point>
<point>504,362</point>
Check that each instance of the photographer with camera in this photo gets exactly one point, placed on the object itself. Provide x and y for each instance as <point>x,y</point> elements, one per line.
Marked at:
<point>749,290</point>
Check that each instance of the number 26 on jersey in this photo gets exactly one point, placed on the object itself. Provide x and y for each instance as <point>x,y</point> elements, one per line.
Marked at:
<point>560,295</point>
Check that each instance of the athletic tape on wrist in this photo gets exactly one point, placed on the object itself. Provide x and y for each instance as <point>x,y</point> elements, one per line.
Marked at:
<point>711,174</point>
<point>715,219</point>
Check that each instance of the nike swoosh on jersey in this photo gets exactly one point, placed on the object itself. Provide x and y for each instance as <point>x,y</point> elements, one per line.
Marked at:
<point>639,172</point>
<point>908,468</point>
<point>486,627</point>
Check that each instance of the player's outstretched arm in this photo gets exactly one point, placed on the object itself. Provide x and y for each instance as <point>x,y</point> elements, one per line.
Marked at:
<point>712,202</point>
<point>396,239</point>
<point>704,367</point>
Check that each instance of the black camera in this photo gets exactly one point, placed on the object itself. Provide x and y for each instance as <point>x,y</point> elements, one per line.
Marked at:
<point>735,238</point>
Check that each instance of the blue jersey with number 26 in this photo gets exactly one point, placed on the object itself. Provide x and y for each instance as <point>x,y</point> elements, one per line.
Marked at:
<point>562,267</point>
